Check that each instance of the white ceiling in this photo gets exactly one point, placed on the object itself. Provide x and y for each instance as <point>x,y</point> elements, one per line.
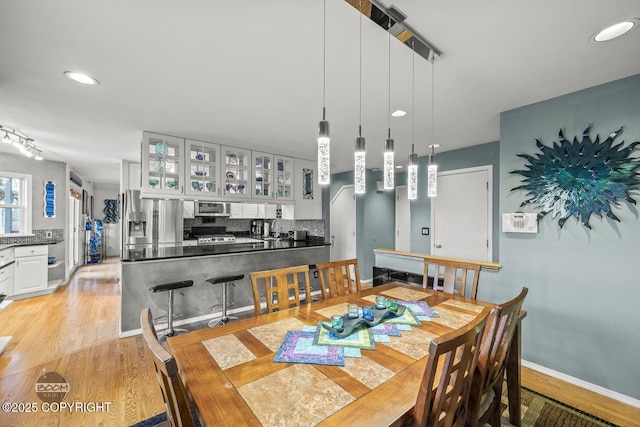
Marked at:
<point>249,73</point>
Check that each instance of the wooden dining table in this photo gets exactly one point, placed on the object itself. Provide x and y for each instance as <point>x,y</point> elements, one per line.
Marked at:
<point>232,379</point>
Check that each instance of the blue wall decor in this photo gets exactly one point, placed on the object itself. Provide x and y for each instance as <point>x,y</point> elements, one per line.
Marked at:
<point>49,199</point>
<point>111,213</point>
<point>580,178</point>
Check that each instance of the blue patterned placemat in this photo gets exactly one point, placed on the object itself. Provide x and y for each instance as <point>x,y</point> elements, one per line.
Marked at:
<point>388,329</point>
<point>299,347</point>
<point>362,338</point>
<point>420,309</point>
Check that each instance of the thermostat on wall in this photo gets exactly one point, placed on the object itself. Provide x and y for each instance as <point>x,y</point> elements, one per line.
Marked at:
<point>520,222</point>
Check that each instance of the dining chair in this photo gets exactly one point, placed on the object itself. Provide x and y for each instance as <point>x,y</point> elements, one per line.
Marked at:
<point>176,402</point>
<point>281,287</point>
<point>450,275</point>
<point>486,390</point>
<point>442,397</point>
<point>339,277</point>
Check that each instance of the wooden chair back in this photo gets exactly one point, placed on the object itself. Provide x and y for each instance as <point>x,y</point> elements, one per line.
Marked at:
<point>336,277</point>
<point>486,391</point>
<point>442,400</point>
<point>450,275</point>
<point>281,288</point>
<point>175,398</point>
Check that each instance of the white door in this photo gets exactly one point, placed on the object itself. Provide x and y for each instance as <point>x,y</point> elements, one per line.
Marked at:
<point>461,214</point>
<point>343,224</point>
<point>74,220</point>
<point>403,220</point>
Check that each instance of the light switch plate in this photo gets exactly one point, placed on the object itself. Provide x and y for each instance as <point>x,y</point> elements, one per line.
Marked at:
<point>425,231</point>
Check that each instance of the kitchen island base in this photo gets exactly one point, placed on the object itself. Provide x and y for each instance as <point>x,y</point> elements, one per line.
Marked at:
<point>196,302</point>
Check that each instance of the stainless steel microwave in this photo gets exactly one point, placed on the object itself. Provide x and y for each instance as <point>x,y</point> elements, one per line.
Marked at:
<point>212,209</point>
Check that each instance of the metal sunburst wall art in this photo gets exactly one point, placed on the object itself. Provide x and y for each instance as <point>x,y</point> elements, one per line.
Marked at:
<point>580,178</point>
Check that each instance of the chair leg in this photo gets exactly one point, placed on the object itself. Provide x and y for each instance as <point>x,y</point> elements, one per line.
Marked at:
<point>495,417</point>
<point>170,331</point>
<point>224,319</point>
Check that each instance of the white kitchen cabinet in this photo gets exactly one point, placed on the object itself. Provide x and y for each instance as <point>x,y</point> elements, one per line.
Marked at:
<point>162,165</point>
<point>6,271</point>
<point>30,272</point>
<point>236,173</point>
<point>188,209</point>
<point>235,211</point>
<point>250,210</point>
<point>202,169</point>
<point>284,179</point>
<point>262,174</point>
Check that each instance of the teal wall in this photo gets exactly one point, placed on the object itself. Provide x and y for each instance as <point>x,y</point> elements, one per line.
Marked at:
<point>583,318</point>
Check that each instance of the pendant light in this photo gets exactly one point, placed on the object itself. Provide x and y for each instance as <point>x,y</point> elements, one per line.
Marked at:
<point>412,169</point>
<point>432,171</point>
<point>388,159</point>
<point>324,154</point>
<point>412,175</point>
<point>359,155</point>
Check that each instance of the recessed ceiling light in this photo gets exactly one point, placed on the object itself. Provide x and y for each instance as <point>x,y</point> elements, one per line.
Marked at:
<point>399,166</point>
<point>81,78</point>
<point>399,113</point>
<point>615,30</point>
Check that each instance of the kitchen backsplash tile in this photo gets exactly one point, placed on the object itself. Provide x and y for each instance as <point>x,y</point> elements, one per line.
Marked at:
<point>39,237</point>
<point>313,227</point>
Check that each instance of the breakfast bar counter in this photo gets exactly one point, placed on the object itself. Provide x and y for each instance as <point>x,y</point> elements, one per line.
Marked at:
<point>147,267</point>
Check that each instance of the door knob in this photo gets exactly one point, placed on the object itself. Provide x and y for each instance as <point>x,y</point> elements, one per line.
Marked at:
<point>438,246</point>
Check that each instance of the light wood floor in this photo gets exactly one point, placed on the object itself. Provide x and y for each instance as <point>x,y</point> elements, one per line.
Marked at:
<point>75,332</point>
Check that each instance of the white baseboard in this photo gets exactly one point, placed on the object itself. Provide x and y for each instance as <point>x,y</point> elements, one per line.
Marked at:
<point>583,384</point>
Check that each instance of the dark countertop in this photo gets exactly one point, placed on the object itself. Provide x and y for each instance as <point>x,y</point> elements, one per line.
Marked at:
<point>178,251</point>
<point>13,245</point>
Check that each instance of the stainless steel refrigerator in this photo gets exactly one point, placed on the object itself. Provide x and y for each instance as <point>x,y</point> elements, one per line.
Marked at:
<point>150,222</point>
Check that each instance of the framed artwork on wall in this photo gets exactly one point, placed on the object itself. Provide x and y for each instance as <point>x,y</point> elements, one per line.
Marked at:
<point>85,202</point>
<point>49,199</point>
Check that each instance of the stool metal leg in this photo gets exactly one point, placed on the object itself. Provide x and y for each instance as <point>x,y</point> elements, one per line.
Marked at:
<point>170,329</point>
<point>224,319</point>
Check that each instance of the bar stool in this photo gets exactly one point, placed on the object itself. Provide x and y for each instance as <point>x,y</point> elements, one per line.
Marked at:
<point>224,319</point>
<point>170,287</point>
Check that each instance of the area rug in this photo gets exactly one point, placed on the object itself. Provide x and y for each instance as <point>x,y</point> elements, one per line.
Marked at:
<point>542,411</point>
<point>537,411</point>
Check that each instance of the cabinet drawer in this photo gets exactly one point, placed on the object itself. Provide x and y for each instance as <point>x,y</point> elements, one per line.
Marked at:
<point>22,251</point>
<point>6,280</point>
<point>6,256</point>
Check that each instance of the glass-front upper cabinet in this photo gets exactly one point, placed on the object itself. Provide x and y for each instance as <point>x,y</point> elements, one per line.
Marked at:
<point>262,175</point>
<point>203,169</point>
<point>283,177</point>
<point>236,173</point>
<point>162,163</point>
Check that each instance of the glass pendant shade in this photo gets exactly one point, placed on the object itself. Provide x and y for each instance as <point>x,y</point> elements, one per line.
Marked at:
<point>388,160</point>
<point>359,170</point>
<point>432,176</point>
<point>324,159</point>
<point>412,177</point>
